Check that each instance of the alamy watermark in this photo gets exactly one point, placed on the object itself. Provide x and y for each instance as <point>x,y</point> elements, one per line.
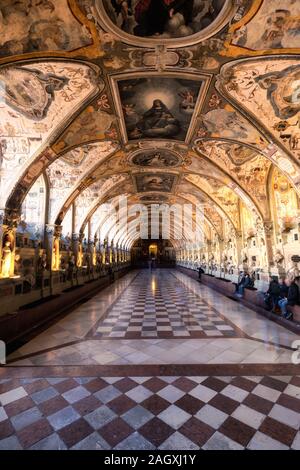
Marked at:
<point>176,221</point>
<point>296,353</point>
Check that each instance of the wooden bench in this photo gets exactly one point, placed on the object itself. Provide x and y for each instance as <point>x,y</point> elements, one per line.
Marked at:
<point>296,312</point>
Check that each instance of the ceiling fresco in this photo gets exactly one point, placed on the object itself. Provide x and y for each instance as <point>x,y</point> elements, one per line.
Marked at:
<point>220,193</point>
<point>39,25</point>
<point>66,173</point>
<point>228,123</point>
<point>269,89</point>
<point>276,25</point>
<point>156,107</point>
<point>155,182</point>
<point>153,159</point>
<point>165,101</point>
<point>251,177</point>
<point>163,18</point>
<point>36,99</point>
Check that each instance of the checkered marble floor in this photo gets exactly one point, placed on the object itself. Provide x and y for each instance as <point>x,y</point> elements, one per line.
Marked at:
<point>160,306</point>
<point>185,413</point>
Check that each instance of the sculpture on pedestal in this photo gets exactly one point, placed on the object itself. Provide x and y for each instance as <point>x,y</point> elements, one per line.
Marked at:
<point>6,259</point>
<point>278,258</point>
<point>293,271</point>
<point>42,263</point>
<point>55,255</point>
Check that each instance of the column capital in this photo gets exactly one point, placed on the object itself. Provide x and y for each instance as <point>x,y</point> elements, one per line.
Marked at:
<point>75,237</point>
<point>239,234</point>
<point>54,230</point>
<point>11,218</point>
<point>268,226</point>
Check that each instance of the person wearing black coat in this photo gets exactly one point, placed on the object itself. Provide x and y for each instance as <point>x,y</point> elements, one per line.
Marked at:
<point>273,294</point>
<point>200,271</point>
<point>283,289</point>
<point>291,299</point>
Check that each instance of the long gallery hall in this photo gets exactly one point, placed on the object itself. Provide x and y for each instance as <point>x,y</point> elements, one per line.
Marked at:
<point>149,225</point>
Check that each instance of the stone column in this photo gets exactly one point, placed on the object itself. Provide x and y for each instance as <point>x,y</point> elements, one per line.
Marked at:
<point>75,245</point>
<point>103,254</point>
<point>239,247</point>
<point>221,261</point>
<point>91,246</point>
<point>111,253</point>
<point>270,243</point>
<point>208,251</point>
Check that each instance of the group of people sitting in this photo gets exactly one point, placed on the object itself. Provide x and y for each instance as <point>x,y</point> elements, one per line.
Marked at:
<point>245,280</point>
<point>281,294</point>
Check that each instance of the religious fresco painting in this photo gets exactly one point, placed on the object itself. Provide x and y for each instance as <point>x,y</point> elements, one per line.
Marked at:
<point>159,158</point>
<point>29,91</point>
<point>33,26</point>
<point>283,90</point>
<point>269,89</point>
<point>157,107</point>
<point>155,182</point>
<point>104,113</point>
<point>154,198</point>
<point>276,26</point>
<point>163,18</point>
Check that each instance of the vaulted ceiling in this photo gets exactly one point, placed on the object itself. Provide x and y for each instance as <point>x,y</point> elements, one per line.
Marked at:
<point>194,102</point>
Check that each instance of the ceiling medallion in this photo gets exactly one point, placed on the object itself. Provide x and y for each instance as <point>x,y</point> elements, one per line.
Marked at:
<point>155,158</point>
<point>154,198</point>
<point>156,107</point>
<point>173,22</point>
<point>160,182</point>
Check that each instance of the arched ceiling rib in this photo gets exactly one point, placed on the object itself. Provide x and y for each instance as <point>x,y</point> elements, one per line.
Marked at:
<point>78,104</point>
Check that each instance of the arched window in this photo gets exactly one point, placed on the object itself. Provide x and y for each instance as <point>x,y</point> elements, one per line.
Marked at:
<point>33,211</point>
<point>67,223</point>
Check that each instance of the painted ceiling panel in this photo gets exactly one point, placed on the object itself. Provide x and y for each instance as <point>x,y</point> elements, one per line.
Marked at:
<point>276,25</point>
<point>67,171</point>
<point>91,196</point>
<point>113,107</point>
<point>37,98</point>
<point>269,89</point>
<point>44,25</point>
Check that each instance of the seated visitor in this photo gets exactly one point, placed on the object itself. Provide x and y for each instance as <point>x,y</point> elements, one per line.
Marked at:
<point>283,288</point>
<point>244,282</point>
<point>200,271</point>
<point>291,299</point>
<point>273,294</point>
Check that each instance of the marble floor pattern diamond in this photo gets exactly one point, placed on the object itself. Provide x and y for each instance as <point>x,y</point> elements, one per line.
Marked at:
<point>166,412</point>
<point>154,361</point>
<point>162,307</point>
<point>162,317</point>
